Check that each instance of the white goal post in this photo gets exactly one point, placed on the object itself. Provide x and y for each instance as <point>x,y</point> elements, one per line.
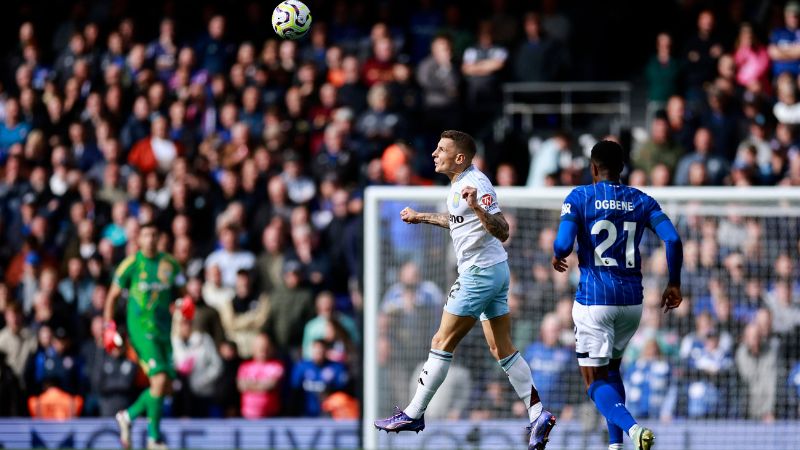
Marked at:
<point>726,213</point>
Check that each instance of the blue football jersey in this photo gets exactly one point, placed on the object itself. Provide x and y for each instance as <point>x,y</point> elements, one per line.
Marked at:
<point>611,219</point>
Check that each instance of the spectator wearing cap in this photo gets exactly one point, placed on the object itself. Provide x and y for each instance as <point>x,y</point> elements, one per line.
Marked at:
<point>784,42</point>
<point>290,304</point>
<point>17,341</point>
<point>245,314</point>
<point>157,151</point>
<point>716,168</point>
<point>229,257</point>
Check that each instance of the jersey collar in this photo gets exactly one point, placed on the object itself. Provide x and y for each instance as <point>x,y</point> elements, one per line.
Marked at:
<point>613,183</point>
<point>461,175</point>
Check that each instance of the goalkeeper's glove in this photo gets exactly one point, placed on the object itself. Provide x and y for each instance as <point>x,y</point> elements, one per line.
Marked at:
<point>186,307</point>
<point>111,339</point>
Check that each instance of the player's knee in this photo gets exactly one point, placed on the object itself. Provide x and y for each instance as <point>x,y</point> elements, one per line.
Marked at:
<point>442,341</point>
<point>158,384</point>
<point>495,353</point>
<point>438,341</point>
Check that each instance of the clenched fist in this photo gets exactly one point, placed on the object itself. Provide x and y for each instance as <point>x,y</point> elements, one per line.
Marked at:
<point>470,194</point>
<point>671,298</point>
<point>409,215</point>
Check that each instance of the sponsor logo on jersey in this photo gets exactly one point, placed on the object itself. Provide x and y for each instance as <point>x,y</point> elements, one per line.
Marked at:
<point>456,219</point>
<point>155,286</point>
<point>487,200</point>
<point>164,271</point>
<point>566,208</point>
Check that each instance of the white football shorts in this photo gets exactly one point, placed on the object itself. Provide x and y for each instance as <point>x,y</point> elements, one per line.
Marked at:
<point>603,331</point>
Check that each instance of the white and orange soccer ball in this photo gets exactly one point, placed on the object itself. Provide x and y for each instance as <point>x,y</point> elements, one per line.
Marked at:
<point>291,19</point>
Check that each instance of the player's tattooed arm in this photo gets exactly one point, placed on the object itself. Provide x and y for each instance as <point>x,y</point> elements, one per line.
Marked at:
<point>495,224</point>
<point>439,219</point>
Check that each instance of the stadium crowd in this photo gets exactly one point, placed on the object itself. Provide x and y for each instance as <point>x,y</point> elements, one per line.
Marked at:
<point>252,154</point>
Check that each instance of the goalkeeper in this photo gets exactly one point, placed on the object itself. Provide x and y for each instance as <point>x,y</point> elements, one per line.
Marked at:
<point>152,280</point>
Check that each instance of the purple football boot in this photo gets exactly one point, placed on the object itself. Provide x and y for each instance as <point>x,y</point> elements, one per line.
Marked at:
<point>400,421</point>
<point>540,430</point>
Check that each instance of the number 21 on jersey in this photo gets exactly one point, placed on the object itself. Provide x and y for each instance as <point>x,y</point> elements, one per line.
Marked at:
<point>630,250</point>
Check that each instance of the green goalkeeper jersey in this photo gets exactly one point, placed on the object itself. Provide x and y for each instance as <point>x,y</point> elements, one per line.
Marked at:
<point>151,284</point>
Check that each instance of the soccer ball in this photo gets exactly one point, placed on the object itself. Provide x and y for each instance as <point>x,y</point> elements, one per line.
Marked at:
<point>291,19</point>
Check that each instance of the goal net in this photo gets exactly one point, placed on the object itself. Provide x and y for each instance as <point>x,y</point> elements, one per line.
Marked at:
<point>722,371</point>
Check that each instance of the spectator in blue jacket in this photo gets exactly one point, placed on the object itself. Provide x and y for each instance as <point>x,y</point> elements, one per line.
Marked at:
<point>313,377</point>
<point>550,362</point>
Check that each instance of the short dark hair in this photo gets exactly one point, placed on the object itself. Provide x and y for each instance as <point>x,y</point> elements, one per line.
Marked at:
<point>14,307</point>
<point>463,141</point>
<point>153,225</point>
<point>608,155</point>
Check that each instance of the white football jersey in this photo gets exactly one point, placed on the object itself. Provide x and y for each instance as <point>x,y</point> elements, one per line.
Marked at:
<point>474,245</point>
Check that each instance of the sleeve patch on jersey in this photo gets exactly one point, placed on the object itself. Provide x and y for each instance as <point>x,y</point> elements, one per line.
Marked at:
<point>487,200</point>
<point>566,208</point>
